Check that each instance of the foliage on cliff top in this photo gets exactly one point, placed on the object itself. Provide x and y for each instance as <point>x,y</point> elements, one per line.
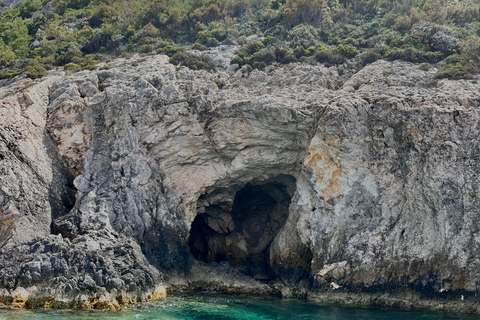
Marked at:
<point>67,31</point>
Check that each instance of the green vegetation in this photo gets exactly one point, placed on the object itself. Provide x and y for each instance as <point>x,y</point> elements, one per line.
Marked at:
<point>61,32</point>
<point>193,61</point>
<point>36,71</point>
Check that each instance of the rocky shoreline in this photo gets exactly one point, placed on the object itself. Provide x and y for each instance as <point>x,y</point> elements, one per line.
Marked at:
<point>117,183</point>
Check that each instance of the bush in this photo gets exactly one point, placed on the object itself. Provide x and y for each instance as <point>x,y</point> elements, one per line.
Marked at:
<point>299,52</point>
<point>283,56</point>
<point>243,56</point>
<point>88,63</point>
<point>219,34</point>
<point>329,58</point>
<point>269,40</point>
<point>199,46</point>
<point>8,74</point>
<point>169,48</point>
<point>238,60</point>
<point>193,61</point>
<point>73,67</point>
<point>261,59</point>
<point>370,57</point>
<point>219,82</point>
<point>455,72</point>
<point>146,48</point>
<point>346,50</point>
<point>411,54</point>
<point>209,42</point>
<point>6,53</point>
<point>444,42</point>
<point>424,67</point>
<point>36,71</point>
<point>303,35</point>
<point>71,53</point>
<point>317,48</point>
<point>251,47</point>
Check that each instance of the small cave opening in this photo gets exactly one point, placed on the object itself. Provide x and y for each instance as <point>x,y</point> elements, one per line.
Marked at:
<point>239,224</point>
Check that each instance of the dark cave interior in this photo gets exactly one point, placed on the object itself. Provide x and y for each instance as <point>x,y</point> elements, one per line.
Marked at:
<point>242,233</point>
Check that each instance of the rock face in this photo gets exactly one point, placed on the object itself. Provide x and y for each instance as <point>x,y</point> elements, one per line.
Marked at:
<point>388,197</point>
<point>148,173</point>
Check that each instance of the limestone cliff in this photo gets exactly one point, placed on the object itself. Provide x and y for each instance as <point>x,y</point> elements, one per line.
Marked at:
<point>117,181</point>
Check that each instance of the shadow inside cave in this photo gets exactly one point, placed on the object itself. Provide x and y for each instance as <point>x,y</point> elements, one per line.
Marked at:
<point>241,233</point>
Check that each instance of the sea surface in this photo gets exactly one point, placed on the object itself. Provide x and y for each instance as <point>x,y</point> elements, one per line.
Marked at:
<point>213,307</point>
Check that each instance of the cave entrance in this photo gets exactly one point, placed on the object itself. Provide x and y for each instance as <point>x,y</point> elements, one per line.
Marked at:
<point>239,224</point>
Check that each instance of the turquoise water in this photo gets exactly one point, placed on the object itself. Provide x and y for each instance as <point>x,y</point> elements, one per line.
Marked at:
<point>216,307</point>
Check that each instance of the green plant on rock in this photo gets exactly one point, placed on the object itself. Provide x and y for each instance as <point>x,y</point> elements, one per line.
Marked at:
<point>36,71</point>
<point>304,35</point>
<point>269,40</point>
<point>6,53</point>
<point>300,52</point>
<point>219,82</point>
<point>251,47</point>
<point>408,53</point>
<point>329,57</point>
<point>346,50</point>
<point>146,48</point>
<point>370,57</point>
<point>284,56</point>
<point>169,48</point>
<point>424,67</point>
<point>199,46</point>
<point>193,61</point>
<point>456,71</point>
<point>72,67</point>
<point>314,49</point>
<point>261,59</point>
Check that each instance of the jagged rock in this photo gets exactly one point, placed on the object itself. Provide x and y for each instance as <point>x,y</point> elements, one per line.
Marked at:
<point>148,172</point>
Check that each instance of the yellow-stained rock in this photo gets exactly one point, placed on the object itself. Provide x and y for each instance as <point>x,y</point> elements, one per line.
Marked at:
<point>19,302</point>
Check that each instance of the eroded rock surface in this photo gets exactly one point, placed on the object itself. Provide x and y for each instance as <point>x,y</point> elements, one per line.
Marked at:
<point>148,172</point>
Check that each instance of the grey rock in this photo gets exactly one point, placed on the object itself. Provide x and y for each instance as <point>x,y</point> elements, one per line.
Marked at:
<point>291,174</point>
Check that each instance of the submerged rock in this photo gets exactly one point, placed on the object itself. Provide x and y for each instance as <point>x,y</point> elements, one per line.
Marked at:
<point>119,181</point>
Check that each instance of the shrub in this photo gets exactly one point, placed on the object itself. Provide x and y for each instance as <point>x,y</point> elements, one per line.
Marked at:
<point>219,82</point>
<point>329,58</point>
<point>413,55</point>
<point>169,48</point>
<point>269,40</point>
<point>424,67</point>
<point>444,42</point>
<point>199,46</point>
<point>317,48</point>
<point>193,61</point>
<point>146,48</point>
<point>303,35</point>
<point>71,53</point>
<point>8,74</point>
<point>456,72</point>
<point>251,47</point>
<point>87,63</point>
<point>36,71</point>
<point>299,52</point>
<point>402,23</point>
<point>6,53</point>
<point>261,59</point>
<point>219,34</point>
<point>73,67</point>
<point>346,50</point>
<point>283,55</point>
<point>209,42</point>
<point>238,60</point>
<point>369,57</point>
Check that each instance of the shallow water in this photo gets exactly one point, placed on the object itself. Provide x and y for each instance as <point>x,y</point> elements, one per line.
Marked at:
<point>216,307</point>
